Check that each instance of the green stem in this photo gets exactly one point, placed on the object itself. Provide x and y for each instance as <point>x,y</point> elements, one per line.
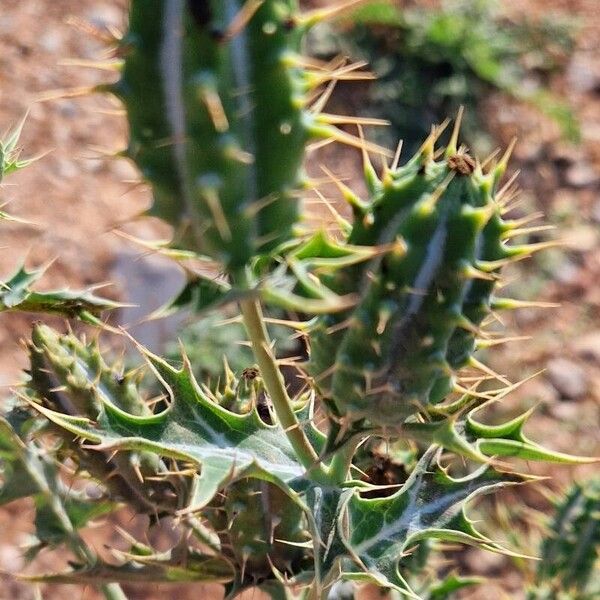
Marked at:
<point>275,385</point>
<point>339,466</point>
<point>113,591</point>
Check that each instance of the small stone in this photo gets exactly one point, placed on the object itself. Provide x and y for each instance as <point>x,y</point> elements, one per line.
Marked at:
<point>94,491</point>
<point>530,150</point>
<point>66,169</point>
<point>566,273</point>
<point>147,284</point>
<point>11,559</point>
<point>68,109</point>
<point>123,170</point>
<point>566,412</point>
<point>566,154</point>
<point>582,174</point>
<point>583,238</point>
<point>568,378</point>
<point>51,40</point>
<point>582,74</point>
<point>588,346</point>
<point>105,16</point>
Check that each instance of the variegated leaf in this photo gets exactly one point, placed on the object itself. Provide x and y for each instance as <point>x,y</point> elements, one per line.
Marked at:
<point>224,446</point>
<point>430,505</point>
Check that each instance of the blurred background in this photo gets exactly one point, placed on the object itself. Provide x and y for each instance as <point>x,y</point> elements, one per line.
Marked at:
<point>529,69</point>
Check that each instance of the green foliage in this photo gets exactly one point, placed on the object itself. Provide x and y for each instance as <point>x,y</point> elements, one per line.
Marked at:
<point>219,118</point>
<point>15,292</point>
<point>430,61</point>
<point>420,309</point>
<point>16,295</point>
<point>569,563</point>
<point>253,471</point>
<point>10,152</point>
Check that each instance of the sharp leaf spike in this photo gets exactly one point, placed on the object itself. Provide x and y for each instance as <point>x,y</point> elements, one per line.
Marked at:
<point>452,147</point>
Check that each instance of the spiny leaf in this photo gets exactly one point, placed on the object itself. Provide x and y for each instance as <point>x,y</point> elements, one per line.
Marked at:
<point>508,439</point>
<point>327,506</point>
<point>465,436</point>
<point>226,446</point>
<point>29,471</point>
<point>69,376</point>
<point>377,13</point>
<point>9,152</point>
<point>20,477</point>
<point>201,294</point>
<point>430,505</point>
<point>16,295</point>
<point>444,589</point>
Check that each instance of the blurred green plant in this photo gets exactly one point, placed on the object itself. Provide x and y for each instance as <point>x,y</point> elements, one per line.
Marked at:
<point>569,568</point>
<point>429,61</point>
<point>211,338</point>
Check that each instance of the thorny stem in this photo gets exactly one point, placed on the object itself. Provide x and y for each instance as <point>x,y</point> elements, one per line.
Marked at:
<point>275,385</point>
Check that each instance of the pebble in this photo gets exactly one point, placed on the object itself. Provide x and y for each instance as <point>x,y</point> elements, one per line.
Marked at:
<point>566,273</point>
<point>582,238</point>
<point>567,377</point>
<point>566,412</point>
<point>565,153</point>
<point>69,109</point>
<point>11,559</point>
<point>103,16</point>
<point>148,284</point>
<point>52,40</point>
<point>588,346</point>
<point>529,150</point>
<point>124,170</point>
<point>582,74</point>
<point>66,169</point>
<point>581,175</point>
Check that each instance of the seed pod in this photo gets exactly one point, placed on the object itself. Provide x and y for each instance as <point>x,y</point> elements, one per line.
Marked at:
<point>260,527</point>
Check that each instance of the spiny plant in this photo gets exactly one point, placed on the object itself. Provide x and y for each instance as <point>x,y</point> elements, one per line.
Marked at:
<point>266,480</point>
<point>569,555</point>
<point>16,293</point>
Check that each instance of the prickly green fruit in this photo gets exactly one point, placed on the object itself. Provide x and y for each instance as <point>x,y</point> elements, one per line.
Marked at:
<point>264,527</point>
<point>216,97</point>
<point>72,377</point>
<point>568,569</point>
<point>439,226</point>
